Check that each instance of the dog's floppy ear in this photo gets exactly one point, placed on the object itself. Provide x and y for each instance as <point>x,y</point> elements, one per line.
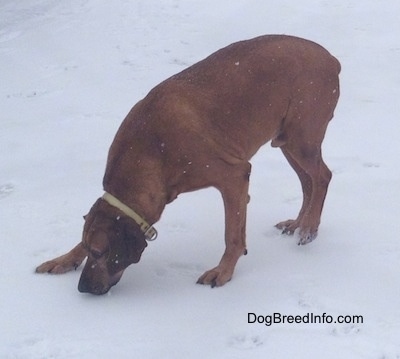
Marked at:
<point>134,240</point>
<point>90,217</point>
<point>127,246</point>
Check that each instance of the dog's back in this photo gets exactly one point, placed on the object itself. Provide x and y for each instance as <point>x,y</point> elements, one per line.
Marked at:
<point>253,91</point>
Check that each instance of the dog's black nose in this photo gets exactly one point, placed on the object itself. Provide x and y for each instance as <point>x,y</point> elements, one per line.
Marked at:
<point>85,286</point>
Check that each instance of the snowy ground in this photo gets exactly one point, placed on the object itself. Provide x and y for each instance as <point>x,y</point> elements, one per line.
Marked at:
<point>69,73</point>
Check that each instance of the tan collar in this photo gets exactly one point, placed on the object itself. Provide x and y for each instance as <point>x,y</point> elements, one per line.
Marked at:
<point>149,231</point>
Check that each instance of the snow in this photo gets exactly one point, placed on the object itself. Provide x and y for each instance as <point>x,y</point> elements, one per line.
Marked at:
<point>70,71</point>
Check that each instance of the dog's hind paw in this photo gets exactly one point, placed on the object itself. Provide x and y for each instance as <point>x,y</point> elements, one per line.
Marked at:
<point>307,237</point>
<point>288,227</point>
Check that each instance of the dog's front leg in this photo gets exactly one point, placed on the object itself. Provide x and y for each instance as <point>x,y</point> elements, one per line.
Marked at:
<point>64,263</point>
<point>234,190</point>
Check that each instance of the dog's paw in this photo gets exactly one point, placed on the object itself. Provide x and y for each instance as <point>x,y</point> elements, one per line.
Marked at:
<point>58,266</point>
<point>64,263</point>
<point>215,277</point>
<point>288,227</point>
<point>307,236</point>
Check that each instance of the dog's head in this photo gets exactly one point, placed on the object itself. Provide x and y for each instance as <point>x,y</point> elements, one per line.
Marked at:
<point>113,241</point>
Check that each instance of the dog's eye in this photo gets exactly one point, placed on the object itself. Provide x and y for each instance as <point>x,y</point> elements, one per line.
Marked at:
<point>97,254</point>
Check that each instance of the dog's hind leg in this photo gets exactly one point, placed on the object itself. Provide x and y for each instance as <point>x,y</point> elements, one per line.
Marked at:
<point>301,137</point>
<point>315,177</point>
<point>289,226</point>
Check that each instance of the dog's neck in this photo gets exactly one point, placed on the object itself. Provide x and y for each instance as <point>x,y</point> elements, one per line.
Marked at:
<point>149,231</point>
<point>135,173</point>
<point>147,204</point>
<point>143,192</point>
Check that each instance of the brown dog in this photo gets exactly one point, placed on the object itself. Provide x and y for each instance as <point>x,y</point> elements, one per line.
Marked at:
<point>200,128</point>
